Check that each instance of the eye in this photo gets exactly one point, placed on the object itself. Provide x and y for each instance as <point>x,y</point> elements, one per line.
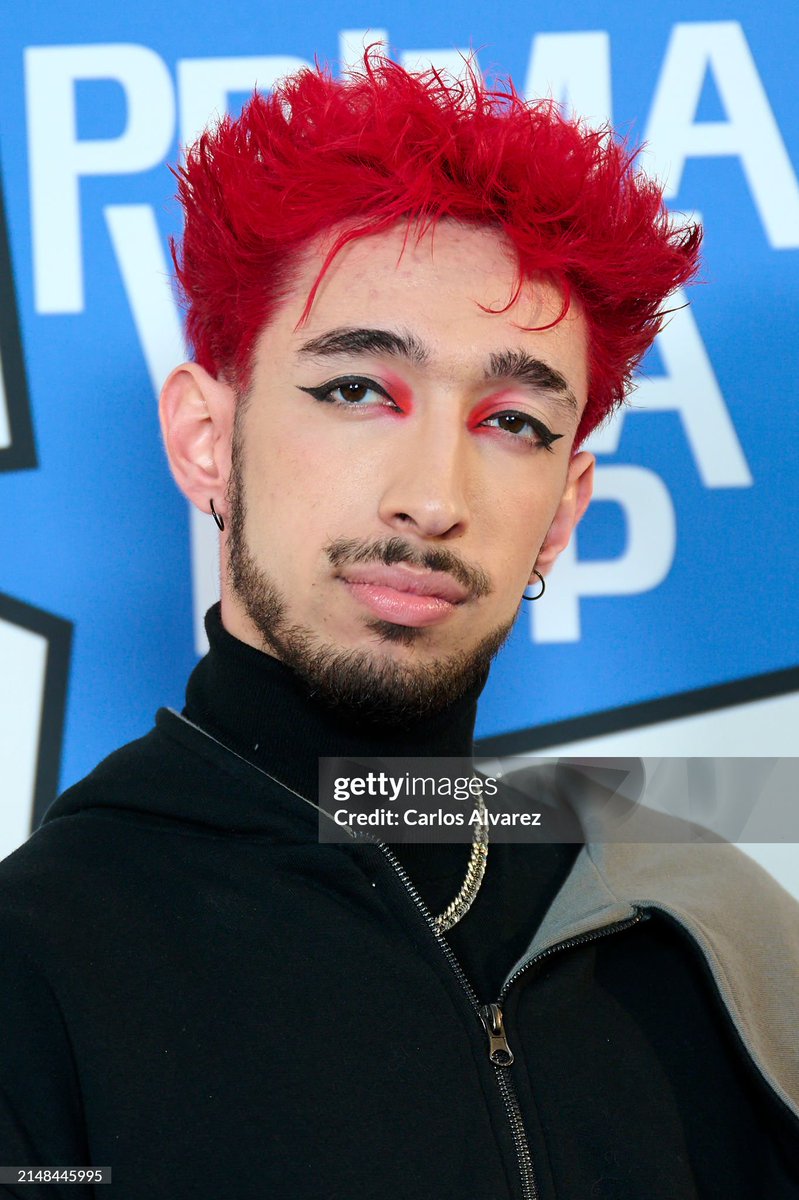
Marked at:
<point>351,391</point>
<point>523,428</point>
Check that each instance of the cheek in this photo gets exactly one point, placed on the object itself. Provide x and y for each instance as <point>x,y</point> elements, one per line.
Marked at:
<point>518,504</point>
<point>288,467</point>
<point>515,523</point>
<point>301,499</point>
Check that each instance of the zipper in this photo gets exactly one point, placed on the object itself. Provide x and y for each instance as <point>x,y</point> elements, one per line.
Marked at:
<point>578,940</point>
<point>491,1017</point>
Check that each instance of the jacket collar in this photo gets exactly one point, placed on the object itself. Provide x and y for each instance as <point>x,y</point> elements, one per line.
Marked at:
<point>743,922</point>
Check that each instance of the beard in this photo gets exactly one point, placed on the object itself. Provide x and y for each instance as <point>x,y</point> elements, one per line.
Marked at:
<point>369,684</point>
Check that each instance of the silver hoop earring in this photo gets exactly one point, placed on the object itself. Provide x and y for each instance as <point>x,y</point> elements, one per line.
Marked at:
<point>220,524</point>
<point>543,587</point>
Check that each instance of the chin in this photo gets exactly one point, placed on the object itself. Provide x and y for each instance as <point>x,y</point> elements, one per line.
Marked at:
<point>387,633</point>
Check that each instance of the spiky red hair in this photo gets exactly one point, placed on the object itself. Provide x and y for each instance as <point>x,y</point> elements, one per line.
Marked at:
<point>383,145</point>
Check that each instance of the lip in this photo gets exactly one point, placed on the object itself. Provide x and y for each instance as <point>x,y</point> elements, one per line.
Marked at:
<point>414,581</point>
<point>404,595</point>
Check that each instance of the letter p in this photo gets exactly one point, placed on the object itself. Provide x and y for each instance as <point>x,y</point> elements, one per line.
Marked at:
<point>58,158</point>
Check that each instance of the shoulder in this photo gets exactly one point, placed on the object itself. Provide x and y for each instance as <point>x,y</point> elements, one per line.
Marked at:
<point>642,846</point>
<point>71,864</point>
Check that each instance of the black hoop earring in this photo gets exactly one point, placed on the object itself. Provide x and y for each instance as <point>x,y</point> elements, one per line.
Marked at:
<point>220,524</point>
<point>543,587</point>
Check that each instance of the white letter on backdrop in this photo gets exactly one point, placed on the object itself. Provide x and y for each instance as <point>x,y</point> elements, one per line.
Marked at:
<point>58,159</point>
<point>749,132</point>
<point>574,69</point>
<point>23,654</point>
<point>205,84</point>
<point>145,276</point>
<point>353,42</point>
<point>691,389</point>
<point>645,563</point>
<point>5,423</point>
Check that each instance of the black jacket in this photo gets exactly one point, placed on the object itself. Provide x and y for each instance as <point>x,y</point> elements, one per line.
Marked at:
<point>199,995</point>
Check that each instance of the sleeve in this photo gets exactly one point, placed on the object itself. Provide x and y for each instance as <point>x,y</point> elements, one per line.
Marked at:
<point>41,1112</point>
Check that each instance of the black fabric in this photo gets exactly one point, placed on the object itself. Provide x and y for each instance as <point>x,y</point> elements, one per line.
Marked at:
<point>254,704</point>
<point>197,993</point>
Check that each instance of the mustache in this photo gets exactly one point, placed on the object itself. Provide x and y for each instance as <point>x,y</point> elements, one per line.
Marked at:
<point>395,550</point>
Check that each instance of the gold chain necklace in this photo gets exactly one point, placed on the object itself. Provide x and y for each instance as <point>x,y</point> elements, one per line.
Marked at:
<point>475,869</point>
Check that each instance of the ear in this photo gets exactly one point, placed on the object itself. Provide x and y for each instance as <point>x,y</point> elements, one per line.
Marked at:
<point>573,503</point>
<point>196,413</point>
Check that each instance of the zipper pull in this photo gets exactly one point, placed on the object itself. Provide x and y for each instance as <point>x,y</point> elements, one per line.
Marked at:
<point>499,1051</point>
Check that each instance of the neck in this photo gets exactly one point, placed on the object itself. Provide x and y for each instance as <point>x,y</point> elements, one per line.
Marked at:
<point>265,711</point>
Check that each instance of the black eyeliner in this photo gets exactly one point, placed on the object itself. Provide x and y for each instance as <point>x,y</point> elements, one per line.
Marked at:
<point>324,390</point>
<point>546,435</point>
<point>323,393</point>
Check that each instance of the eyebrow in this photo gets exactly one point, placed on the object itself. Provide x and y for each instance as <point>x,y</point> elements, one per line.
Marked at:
<point>366,341</point>
<point>515,365</point>
<point>532,372</point>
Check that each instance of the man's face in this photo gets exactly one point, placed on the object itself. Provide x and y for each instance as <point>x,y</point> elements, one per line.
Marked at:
<point>392,482</point>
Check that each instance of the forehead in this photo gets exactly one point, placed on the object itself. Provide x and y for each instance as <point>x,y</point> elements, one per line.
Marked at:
<point>446,288</point>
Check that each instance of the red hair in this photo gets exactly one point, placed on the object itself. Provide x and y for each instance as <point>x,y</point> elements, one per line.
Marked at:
<point>383,145</point>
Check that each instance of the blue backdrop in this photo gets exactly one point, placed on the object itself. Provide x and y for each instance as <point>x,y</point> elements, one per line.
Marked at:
<point>681,577</point>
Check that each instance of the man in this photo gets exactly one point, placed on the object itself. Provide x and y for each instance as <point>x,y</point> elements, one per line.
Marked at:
<point>409,303</point>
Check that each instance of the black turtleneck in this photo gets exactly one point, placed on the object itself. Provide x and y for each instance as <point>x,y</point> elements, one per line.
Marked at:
<point>263,710</point>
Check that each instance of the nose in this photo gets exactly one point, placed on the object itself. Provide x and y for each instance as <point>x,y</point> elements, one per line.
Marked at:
<point>426,476</point>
